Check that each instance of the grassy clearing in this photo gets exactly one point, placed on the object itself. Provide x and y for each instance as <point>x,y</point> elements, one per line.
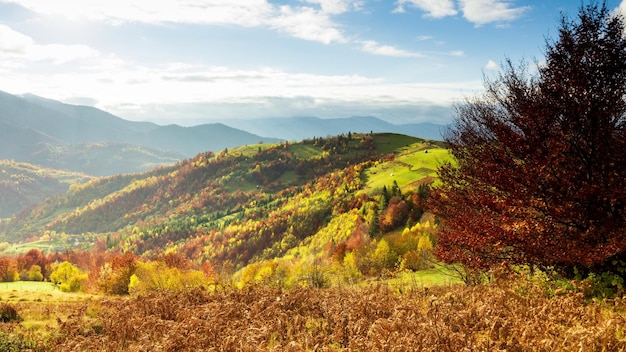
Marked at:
<point>49,246</point>
<point>31,291</point>
<point>440,276</point>
<point>305,151</point>
<point>251,149</point>
<point>415,163</point>
<point>392,142</point>
<point>41,304</point>
<point>240,184</point>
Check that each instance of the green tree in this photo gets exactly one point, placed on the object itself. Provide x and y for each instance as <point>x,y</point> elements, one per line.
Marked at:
<point>68,277</point>
<point>34,273</point>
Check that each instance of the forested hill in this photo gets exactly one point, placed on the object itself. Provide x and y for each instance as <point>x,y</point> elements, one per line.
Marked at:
<point>242,204</point>
<point>23,185</point>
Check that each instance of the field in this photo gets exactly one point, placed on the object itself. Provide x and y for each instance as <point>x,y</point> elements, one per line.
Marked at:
<point>418,163</point>
<point>41,307</point>
<point>519,317</point>
<point>49,246</point>
<point>511,313</point>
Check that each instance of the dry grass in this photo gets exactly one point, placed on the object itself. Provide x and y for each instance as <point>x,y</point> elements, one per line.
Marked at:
<point>40,307</point>
<point>507,316</point>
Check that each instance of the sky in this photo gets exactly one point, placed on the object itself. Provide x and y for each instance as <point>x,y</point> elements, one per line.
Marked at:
<point>199,61</point>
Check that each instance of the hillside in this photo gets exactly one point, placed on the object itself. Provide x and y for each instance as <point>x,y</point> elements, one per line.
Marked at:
<point>23,185</point>
<point>57,135</point>
<point>247,204</point>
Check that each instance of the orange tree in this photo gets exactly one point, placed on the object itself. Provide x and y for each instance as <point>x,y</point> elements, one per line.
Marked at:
<point>539,170</point>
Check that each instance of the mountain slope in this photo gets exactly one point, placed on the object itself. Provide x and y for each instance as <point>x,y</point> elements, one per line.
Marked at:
<point>246,204</point>
<point>97,125</point>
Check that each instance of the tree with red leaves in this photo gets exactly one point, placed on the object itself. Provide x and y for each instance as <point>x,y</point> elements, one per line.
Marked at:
<point>539,175</point>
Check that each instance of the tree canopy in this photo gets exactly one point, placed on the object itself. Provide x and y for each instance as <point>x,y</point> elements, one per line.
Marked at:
<point>539,175</point>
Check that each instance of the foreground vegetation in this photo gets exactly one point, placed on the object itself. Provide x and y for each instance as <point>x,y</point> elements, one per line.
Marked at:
<point>511,313</point>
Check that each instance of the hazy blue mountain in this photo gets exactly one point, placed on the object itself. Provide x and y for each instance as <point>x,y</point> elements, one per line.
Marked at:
<point>426,130</point>
<point>85,139</point>
<point>213,137</point>
<point>97,125</point>
<point>299,128</point>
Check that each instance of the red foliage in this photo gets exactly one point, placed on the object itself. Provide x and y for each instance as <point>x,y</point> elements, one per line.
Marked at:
<point>395,215</point>
<point>540,176</point>
<point>30,258</point>
<point>8,269</point>
<point>339,251</point>
<point>175,260</point>
<point>359,236</point>
<point>209,272</point>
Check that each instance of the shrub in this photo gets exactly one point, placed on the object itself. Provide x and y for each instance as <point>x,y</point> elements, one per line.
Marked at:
<point>8,313</point>
<point>12,343</point>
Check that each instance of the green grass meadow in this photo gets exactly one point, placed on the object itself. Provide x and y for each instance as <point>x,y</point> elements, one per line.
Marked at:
<point>416,165</point>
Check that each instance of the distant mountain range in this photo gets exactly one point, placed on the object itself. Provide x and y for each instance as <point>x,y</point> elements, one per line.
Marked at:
<point>299,128</point>
<point>52,136</point>
<point>85,139</point>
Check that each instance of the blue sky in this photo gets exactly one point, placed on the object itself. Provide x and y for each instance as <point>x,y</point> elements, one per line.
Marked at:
<point>197,61</point>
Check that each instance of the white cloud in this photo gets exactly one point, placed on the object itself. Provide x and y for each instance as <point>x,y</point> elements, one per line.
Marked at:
<point>59,53</point>
<point>373,47</point>
<point>307,23</point>
<point>481,12</point>
<point>433,8</point>
<point>492,66</point>
<point>622,8</point>
<point>12,42</point>
<point>137,91</point>
<point>337,6</point>
<point>241,12</point>
<point>18,46</point>
<point>302,22</point>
